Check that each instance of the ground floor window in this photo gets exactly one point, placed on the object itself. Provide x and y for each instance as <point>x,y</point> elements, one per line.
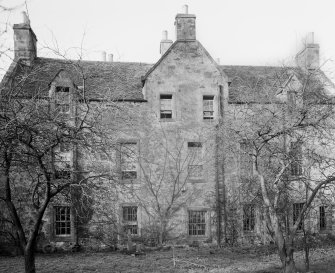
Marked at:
<point>62,220</point>
<point>248,217</point>
<point>196,223</point>
<point>129,219</point>
<point>322,219</point>
<point>297,208</point>
<point>195,171</point>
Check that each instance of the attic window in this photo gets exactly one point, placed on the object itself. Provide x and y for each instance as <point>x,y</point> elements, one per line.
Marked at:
<point>166,106</point>
<point>208,107</point>
<point>62,89</point>
<point>62,99</point>
<point>194,144</point>
<point>291,99</point>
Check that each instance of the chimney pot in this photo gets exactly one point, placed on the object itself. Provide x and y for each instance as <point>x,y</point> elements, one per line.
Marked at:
<point>165,43</point>
<point>25,19</point>
<point>310,38</point>
<point>185,9</point>
<point>110,58</point>
<point>164,35</point>
<point>103,56</point>
<point>309,57</point>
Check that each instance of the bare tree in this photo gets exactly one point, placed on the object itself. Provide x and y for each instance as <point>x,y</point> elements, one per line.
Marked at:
<point>288,125</point>
<point>43,139</point>
<point>173,172</point>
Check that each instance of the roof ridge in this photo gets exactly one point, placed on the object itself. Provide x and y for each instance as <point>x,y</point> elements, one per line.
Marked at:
<point>257,66</point>
<point>88,61</point>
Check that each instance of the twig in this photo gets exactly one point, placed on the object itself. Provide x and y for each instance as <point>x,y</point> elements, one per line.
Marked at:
<point>198,265</point>
<point>174,260</point>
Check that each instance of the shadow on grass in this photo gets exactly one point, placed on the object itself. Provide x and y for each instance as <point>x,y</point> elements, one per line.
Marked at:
<point>318,267</point>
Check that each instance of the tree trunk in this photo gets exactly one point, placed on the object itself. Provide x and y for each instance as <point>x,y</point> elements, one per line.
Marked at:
<point>161,233</point>
<point>287,260</point>
<point>29,260</point>
<point>289,265</point>
<point>306,248</point>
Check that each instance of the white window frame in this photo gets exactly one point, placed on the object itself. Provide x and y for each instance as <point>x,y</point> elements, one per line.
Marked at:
<point>125,171</point>
<point>65,224</point>
<point>208,107</point>
<point>197,227</point>
<point>166,106</point>
<point>249,217</point>
<point>130,224</point>
<point>60,103</point>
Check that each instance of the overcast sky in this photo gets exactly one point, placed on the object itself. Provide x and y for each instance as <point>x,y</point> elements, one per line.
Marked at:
<point>239,32</point>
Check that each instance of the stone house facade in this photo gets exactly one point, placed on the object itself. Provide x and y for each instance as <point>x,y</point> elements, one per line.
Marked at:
<point>169,146</point>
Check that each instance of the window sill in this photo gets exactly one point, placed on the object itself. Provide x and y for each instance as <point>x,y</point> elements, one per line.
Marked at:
<point>209,121</point>
<point>325,231</point>
<point>296,177</point>
<point>129,181</point>
<point>249,231</point>
<point>167,120</point>
<point>196,180</point>
<point>63,238</point>
<point>201,237</point>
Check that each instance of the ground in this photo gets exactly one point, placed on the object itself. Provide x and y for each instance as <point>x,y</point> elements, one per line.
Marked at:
<point>190,260</point>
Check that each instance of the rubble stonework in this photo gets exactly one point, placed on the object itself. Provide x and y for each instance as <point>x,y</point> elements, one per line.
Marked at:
<point>177,108</point>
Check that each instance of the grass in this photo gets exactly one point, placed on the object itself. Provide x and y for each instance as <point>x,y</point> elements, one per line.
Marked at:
<point>241,260</point>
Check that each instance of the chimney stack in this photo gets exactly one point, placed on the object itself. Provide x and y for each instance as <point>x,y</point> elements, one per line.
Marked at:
<point>165,43</point>
<point>185,9</point>
<point>110,58</point>
<point>103,56</point>
<point>24,41</point>
<point>185,26</point>
<point>308,58</point>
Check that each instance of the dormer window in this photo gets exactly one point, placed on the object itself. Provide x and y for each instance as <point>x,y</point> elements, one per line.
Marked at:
<point>291,99</point>
<point>62,89</point>
<point>208,107</point>
<point>166,106</point>
<point>62,99</point>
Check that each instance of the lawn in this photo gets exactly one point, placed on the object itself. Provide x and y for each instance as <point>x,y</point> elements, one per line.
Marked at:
<point>186,260</point>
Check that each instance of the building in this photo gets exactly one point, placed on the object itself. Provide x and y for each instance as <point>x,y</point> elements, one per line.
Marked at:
<point>177,174</point>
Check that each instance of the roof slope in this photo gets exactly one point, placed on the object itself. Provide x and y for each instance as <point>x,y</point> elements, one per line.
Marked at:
<point>102,80</point>
<point>122,80</point>
<point>262,84</point>
<point>255,83</point>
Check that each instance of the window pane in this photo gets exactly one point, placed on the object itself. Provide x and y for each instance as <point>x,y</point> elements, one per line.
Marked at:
<point>62,89</point>
<point>194,152</point>
<point>208,107</point>
<point>129,215</point>
<point>248,217</point>
<point>297,208</point>
<point>195,171</point>
<point>323,221</point>
<point>197,223</point>
<point>296,159</point>
<point>165,106</point>
<point>246,159</point>
<point>128,160</point>
<point>62,220</point>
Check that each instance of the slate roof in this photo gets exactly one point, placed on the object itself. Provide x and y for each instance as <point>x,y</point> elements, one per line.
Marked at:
<point>263,83</point>
<point>113,80</point>
<point>254,83</point>
<point>122,80</point>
